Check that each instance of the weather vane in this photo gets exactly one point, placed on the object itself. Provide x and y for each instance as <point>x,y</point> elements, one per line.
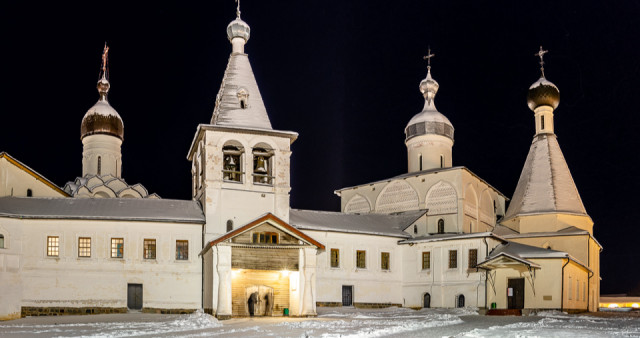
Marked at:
<point>238,9</point>
<point>105,54</point>
<point>541,54</point>
<point>428,58</point>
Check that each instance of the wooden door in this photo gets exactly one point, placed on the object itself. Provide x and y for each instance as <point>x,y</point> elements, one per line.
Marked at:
<point>347,295</point>
<point>134,296</point>
<point>426,301</point>
<point>515,293</point>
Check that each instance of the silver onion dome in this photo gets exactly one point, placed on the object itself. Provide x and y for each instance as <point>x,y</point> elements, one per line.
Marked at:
<point>429,120</point>
<point>238,29</point>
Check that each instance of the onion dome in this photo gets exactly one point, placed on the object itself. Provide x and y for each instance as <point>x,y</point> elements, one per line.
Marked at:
<point>102,118</point>
<point>238,29</point>
<point>429,120</point>
<point>543,93</point>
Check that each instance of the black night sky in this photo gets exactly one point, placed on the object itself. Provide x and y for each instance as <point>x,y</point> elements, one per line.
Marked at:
<point>344,75</point>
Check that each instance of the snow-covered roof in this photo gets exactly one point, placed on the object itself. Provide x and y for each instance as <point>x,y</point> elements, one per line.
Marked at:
<point>106,186</point>
<point>238,81</point>
<point>370,224</point>
<point>546,184</point>
<point>525,251</point>
<point>129,209</point>
<point>448,237</point>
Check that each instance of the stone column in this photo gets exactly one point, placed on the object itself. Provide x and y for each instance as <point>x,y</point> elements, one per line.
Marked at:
<point>224,309</point>
<point>308,303</point>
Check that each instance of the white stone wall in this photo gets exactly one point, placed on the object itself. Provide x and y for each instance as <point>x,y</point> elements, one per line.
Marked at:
<point>15,181</point>
<point>101,281</point>
<point>10,270</point>
<point>108,148</point>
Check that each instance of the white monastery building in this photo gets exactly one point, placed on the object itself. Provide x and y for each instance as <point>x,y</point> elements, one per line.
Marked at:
<point>436,236</point>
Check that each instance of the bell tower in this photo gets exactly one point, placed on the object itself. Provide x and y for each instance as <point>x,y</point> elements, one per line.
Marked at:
<point>240,164</point>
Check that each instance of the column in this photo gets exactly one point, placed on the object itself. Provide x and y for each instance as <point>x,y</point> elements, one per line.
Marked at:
<point>224,310</point>
<point>309,270</point>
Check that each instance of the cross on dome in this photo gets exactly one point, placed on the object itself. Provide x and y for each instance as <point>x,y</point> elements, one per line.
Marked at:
<point>105,59</point>
<point>541,54</point>
<point>428,58</point>
<point>238,9</point>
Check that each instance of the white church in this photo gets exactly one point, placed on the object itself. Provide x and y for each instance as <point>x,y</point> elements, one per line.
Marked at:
<point>435,236</point>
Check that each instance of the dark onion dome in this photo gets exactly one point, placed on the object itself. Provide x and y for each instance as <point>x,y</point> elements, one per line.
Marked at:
<point>238,29</point>
<point>429,120</point>
<point>102,118</point>
<point>543,93</point>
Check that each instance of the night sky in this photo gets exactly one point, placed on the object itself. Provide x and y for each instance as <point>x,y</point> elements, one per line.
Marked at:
<point>345,76</point>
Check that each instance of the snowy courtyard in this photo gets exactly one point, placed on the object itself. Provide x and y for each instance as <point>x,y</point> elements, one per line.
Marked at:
<point>331,322</point>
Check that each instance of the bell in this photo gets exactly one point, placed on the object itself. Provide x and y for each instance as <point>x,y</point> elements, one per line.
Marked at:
<point>230,161</point>
<point>261,166</point>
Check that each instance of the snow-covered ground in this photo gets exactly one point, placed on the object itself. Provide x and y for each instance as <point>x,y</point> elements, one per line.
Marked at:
<point>331,322</point>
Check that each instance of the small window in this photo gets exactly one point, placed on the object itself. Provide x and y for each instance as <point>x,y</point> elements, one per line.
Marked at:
<point>262,166</point>
<point>29,193</point>
<point>415,228</point>
<point>243,97</point>
<point>265,237</point>
<point>426,260</point>
<point>84,247</point>
<point>99,165</point>
<point>229,225</point>
<point>53,246</point>
<point>441,226</point>
<point>1,241</point>
<point>335,258</point>
<point>182,250</point>
<point>542,122</point>
<point>117,247</point>
<point>453,259</point>
<point>460,301</point>
<point>149,249</point>
<point>441,161</point>
<point>232,166</point>
<point>473,258</point>
<point>384,261</point>
<point>361,259</point>
<point>420,161</point>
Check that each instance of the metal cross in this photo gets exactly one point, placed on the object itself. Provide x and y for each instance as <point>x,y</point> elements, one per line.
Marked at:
<point>238,9</point>
<point>105,54</point>
<point>428,58</point>
<point>541,54</point>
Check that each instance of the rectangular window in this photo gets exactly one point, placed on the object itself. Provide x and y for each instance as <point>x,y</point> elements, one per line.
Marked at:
<point>453,259</point>
<point>182,250</point>
<point>53,246</point>
<point>265,237</point>
<point>473,258</point>
<point>384,261</point>
<point>361,259</point>
<point>149,249</point>
<point>117,247</point>
<point>335,258</point>
<point>84,247</point>
<point>426,260</point>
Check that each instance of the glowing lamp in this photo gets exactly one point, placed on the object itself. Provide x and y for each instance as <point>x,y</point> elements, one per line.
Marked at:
<point>613,306</point>
<point>635,305</point>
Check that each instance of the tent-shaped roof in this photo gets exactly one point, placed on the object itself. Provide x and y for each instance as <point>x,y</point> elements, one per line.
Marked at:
<point>545,184</point>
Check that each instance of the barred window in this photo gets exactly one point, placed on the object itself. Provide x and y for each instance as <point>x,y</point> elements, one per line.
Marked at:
<point>149,249</point>
<point>361,259</point>
<point>53,246</point>
<point>335,258</point>
<point>384,261</point>
<point>182,250</point>
<point>473,258</point>
<point>426,260</point>
<point>117,247</point>
<point>84,247</point>
<point>453,259</point>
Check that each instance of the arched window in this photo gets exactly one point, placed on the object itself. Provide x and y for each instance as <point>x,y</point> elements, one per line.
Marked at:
<point>415,228</point>
<point>426,302</point>
<point>1,241</point>
<point>420,159</point>
<point>441,161</point>
<point>99,165</point>
<point>229,225</point>
<point>29,193</point>
<point>441,226</point>
<point>232,167</point>
<point>262,166</point>
<point>243,97</point>
<point>460,301</point>
<point>542,122</point>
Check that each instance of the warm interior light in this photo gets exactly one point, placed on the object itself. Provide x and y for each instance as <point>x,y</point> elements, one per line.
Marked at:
<point>285,273</point>
<point>235,272</point>
<point>613,306</point>
<point>635,305</point>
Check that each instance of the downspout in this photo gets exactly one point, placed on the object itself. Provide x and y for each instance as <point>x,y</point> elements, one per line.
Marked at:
<point>562,288</point>
<point>589,266</point>
<point>202,274</point>
<point>486,273</point>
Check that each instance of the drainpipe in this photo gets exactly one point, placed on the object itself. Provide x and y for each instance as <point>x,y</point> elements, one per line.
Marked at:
<point>486,254</point>
<point>202,274</point>
<point>562,288</point>
<point>589,266</point>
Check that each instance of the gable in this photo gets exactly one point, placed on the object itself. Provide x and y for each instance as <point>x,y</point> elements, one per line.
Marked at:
<point>16,178</point>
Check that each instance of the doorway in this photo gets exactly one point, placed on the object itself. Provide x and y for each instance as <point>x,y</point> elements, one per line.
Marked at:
<point>259,300</point>
<point>426,301</point>
<point>347,295</point>
<point>515,293</point>
<point>134,296</point>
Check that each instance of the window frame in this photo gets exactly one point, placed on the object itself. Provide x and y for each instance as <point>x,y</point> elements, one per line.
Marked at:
<point>474,261</point>
<point>232,172</point>
<point>268,156</point>
<point>337,256</point>
<point>453,259</point>
<point>440,228</point>
<point>146,251</point>
<point>117,252</point>
<point>388,261</point>
<point>427,261</point>
<point>182,251</point>
<point>83,248</point>
<point>53,246</point>
<point>262,236</point>
<point>2,241</point>
<point>364,259</point>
